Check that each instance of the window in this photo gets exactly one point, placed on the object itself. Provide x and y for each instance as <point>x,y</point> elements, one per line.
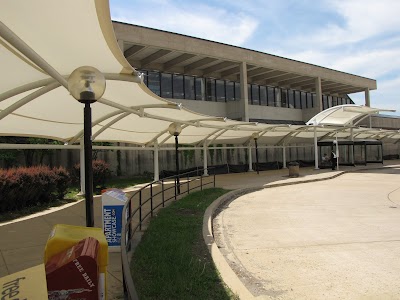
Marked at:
<point>271,96</point>
<point>178,86</point>
<point>166,85</point>
<point>291,98</point>
<point>297,100</point>
<point>278,102</point>
<point>325,103</point>
<point>210,84</point>
<point>334,101</point>
<point>220,90</point>
<point>230,90</point>
<point>303,100</point>
<point>145,79</point>
<point>284,97</point>
<point>249,93</point>
<point>189,87</point>
<point>255,94</point>
<point>309,100</point>
<point>238,96</point>
<point>200,89</point>
<point>154,82</point>
<point>263,95</point>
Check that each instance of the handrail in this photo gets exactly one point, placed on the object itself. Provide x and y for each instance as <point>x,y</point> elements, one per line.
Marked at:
<point>129,216</point>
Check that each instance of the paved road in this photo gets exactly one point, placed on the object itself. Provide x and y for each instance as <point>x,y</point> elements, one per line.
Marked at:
<point>333,239</point>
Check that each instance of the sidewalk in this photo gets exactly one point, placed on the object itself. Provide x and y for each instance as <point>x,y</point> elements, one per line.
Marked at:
<point>23,241</point>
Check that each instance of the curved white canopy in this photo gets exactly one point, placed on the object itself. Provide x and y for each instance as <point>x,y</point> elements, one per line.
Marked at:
<point>43,41</point>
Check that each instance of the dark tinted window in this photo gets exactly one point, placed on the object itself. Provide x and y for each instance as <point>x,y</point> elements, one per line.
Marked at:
<point>210,87</point>
<point>200,89</point>
<point>263,95</point>
<point>230,90</point>
<point>166,85</point>
<point>189,88</point>
<point>271,96</point>
<point>220,90</point>
<point>255,94</point>
<point>154,82</point>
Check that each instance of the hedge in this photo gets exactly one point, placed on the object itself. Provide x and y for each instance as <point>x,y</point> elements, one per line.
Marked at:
<point>101,173</point>
<point>25,187</point>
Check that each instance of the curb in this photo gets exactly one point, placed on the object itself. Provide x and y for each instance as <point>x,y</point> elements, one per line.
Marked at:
<point>227,274</point>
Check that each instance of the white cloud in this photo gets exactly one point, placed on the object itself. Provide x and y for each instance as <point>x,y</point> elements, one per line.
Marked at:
<point>195,20</point>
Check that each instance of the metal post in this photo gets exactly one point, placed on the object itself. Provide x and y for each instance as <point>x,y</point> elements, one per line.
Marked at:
<point>82,166</point>
<point>151,199</point>
<point>178,188</point>
<point>87,133</point>
<point>337,153</point>
<point>140,210</point>
<point>163,195</point>
<point>352,148</point>
<point>255,142</point>
<point>188,185</point>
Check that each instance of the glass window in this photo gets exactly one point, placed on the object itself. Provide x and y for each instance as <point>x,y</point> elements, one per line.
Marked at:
<point>220,90</point>
<point>255,94</point>
<point>263,95</point>
<point>200,89</point>
<point>297,100</point>
<point>166,85</point>
<point>249,93</point>
<point>230,90</point>
<point>325,103</point>
<point>154,82</point>
<point>284,98</point>
<point>309,100</point>
<point>277,97</point>
<point>178,90</point>
<point>303,100</point>
<point>189,88</point>
<point>210,83</point>
<point>145,79</point>
<point>271,96</point>
<point>334,101</point>
<point>291,98</point>
<point>237,91</point>
<point>314,99</point>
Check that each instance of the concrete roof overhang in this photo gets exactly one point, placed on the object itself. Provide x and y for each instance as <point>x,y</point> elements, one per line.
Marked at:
<point>147,48</point>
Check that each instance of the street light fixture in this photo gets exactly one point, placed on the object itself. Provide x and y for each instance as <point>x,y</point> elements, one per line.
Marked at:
<point>255,136</point>
<point>87,85</point>
<point>175,129</point>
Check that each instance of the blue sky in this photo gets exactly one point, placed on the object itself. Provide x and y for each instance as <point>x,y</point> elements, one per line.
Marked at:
<point>360,37</point>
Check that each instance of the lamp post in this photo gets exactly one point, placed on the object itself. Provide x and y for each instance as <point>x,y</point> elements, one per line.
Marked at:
<point>255,136</point>
<point>87,85</point>
<point>175,129</point>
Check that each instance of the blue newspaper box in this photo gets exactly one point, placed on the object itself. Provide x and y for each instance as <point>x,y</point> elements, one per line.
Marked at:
<point>113,202</point>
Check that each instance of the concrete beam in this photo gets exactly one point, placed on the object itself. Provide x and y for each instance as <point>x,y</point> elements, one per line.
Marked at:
<point>153,57</point>
<point>278,78</point>
<point>268,75</point>
<point>231,71</point>
<point>177,60</point>
<point>295,81</point>
<point>258,71</point>
<point>130,52</point>
<point>218,67</point>
<point>199,63</point>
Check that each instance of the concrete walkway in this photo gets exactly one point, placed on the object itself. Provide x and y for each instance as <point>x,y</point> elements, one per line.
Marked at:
<point>23,241</point>
<point>332,239</point>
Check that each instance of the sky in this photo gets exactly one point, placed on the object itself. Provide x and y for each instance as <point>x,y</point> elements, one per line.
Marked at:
<point>360,37</point>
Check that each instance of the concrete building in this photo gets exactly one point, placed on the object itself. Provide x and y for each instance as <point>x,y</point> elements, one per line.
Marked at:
<point>241,84</point>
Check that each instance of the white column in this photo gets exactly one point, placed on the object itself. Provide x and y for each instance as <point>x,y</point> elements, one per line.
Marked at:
<point>337,152</point>
<point>205,152</point>
<point>244,95</point>
<point>82,165</point>
<point>367,98</point>
<point>315,148</point>
<point>156,163</point>
<point>352,146</point>
<point>284,156</point>
<point>250,158</point>
<point>318,91</point>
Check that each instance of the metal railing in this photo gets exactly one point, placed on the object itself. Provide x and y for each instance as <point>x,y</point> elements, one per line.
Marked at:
<point>142,205</point>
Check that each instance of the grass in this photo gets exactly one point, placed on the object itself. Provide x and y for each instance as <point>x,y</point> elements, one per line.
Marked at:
<point>172,260</point>
<point>72,196</point>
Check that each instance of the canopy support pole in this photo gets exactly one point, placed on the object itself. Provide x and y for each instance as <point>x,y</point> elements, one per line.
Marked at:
<point>337,152</point>
<point>284,156</point>
<point>250,159</point>
<point>156,163</point>
<point>352,146</point>
<point>205,152</point>
<point>315,148</point>
<point>82,165</point>
<point>255,142</point>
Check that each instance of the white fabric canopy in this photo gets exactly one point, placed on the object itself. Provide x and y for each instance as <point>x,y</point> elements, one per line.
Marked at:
<point>43,41</point>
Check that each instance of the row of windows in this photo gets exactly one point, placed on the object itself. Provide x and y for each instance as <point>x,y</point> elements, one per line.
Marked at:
<point>177,86</point>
